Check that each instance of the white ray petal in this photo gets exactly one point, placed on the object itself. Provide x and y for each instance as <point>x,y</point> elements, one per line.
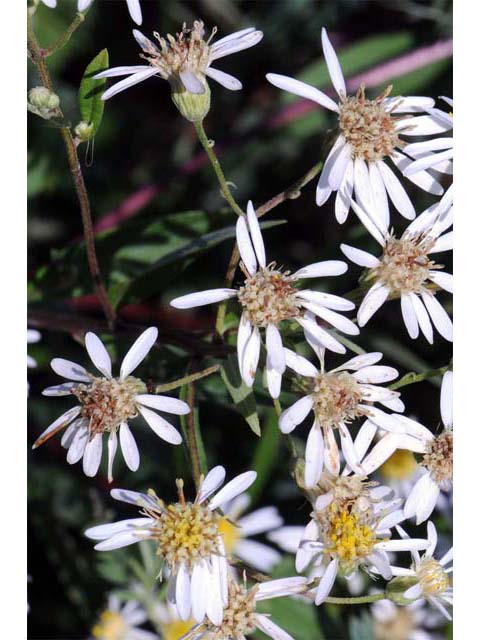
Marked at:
<point>275,349</point>
<point>421,178</point>
<point>138,351</point>
<point>92,456</point>
<point>251,356</point>
<point>326,582</point>
<point>335,319</point>
<point>396,191</point>
<point>408,104</point>
<point>235,487</point>
<point>422,317</point>
<point>299,364</point>
<point>60,423</point>
<point>274,378</point>
<point>199,577</point>
<point>313,456</point>
<point>260,521</point>
<point>213,480</point>
<point>333,65</point>
<point>360,257</point>
<point>258,555</point>
<point>379,195</point>
<point>245,246</point>
<point>320,335</point>
<point>77,446</point>
<point>228,45</point>
<point>104,531</point>
<point>302,89</point>
<point>439,316</point>
<point>444,243</point>
<point>132,80</point>
<point>129,447</point>
<point>409,316</point>
<point>296,414</point>
<point>422,499</point>
<point>256,235</point>
<point>327,300</point>
<point>374,299</point>
<point>201,298</point>
<point>446,399</point>
<point>344,195</point>
<point>320,269</point>
<point>270,628</point>
<point>163,403</point>
<point>121,71</point>
<point>348,450</point>
<point>371,224</point>
<point>135,11</point>
<point>112,443</point>
<point>191,82</point>
<point>442,279</point>
<point>384,420</point>
<point>70,370</point>
<point>360,361</point>
<point>98,354</point>
<point>182,592</point>
<point>122,539</point>
<point>421,126</point>
<point>162,428</point>
<point>331,456</point>
<point>339,167</point>
<point>376,374</point>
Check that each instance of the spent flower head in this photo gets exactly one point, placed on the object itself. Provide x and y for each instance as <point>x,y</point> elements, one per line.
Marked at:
<point>370,131</point>
<point>107,404</point>
<point>270,296</point>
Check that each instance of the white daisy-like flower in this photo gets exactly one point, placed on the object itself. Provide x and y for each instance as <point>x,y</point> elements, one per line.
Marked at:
<point>436,153</point>
<point>32,336</point>
<point>270,296</point>
<point>432,577</point>
<point>122,622</point>
<point>412,622</point>
<point>337,398</point>
<point>406,271</point>
<point>370,132</point>
<point>107,404</point>
<point>437,457</point>
<point>189,540</point>
<point>237,528</point>
<point>240,616</point>
<point>350,529</point>
<point>185,61</point>
<point>133,8</point>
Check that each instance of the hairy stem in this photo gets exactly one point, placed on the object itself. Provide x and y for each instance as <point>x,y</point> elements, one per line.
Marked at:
<point>64,38</point>
<point>38,58</point>
<point>224,188</point>
<point>187,379</point>
<point>374,597</point>
<point>412,377</point>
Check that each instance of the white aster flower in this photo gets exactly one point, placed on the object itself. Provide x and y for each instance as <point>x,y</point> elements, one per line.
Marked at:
<point>411,622</point>
<point>432,577</point>
<point>337,398</point>
<point>268,297</point>
<point>350,529</point>
<point>32,336</point>
<point>185,61</point>
<point>122,623</point>
<point>370,131</point>
<point>426,151</point>
<point>406,271</point>
<point>437,457</point>
<point>241,618</point>
<point>107,404</point>
<point>188,538</point>
<point>133,8</point>
<point>237,529</point>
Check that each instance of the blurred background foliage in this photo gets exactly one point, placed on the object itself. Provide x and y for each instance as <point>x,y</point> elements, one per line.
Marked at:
<point>164,230</point>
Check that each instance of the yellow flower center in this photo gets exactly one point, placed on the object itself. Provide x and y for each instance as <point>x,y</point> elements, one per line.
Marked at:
<point>107,403</point>
<point>231,534</point>
<point>399,466</point>
<point>111,626</point>
<point>432,577</point>
<point>268,297</point>
<point>176,629</point>
<point>367,127</point>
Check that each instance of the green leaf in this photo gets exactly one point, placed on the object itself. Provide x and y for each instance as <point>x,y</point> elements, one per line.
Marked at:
<point>265,455</point>
<point>90,92</point>
<point>241,395</point>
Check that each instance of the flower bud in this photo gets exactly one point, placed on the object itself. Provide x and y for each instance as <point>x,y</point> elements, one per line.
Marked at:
<point>84,131</point>
<point>396,589</point>
<point>43,102</point>
<point>193,106</point>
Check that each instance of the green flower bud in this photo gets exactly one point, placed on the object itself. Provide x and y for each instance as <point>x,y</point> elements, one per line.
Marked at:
<point>193,106</point>
<point>396,588</point>
<point>43,98</point>
<point>84,131</point>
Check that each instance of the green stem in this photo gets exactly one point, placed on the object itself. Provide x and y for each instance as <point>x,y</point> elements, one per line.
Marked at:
<point>66,35</point>
<point>161,388</point>
<point>224,188</point>
<point>38,58</point>
<point>358,600</point>
<point>412,377</point>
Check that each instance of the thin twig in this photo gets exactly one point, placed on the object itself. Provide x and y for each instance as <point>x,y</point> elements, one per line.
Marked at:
<point>38,59</point>
<point>65,37</point>
<point>412,377</point>
<point>169,386</point>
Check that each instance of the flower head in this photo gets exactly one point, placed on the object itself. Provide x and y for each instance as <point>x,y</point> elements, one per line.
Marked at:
<point>185,62</point>
<point>107,404</point>
<point>189,539</point>
<point>268,297</point>
<point>406,270</point>
<point>337,398</point>
<point>436,458</point>
<point>431,576</point>
<point>240,616</point>
<point>370,131</point>
<point>350,529</point>
<point>121,623</point>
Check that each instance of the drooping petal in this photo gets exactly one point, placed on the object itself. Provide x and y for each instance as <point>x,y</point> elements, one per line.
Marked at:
<point>225,79</point>
<point>302,89</point>
<point>422,499</point>
<point>57,425</point>
<point>371,223</point>
<point>409,316</point>
<point>251,356</point>
<point>326,582</point>
<point>182,592</point>
<point>396,191</point>
<point>112,450</point>
<point>275,348</point>
<point>344,195</point>
<point>320,335</point>
<point>92,456</point>
<point>270,628</point>
<point>192,82</point>
<point>129,447</point>
<point>162,428</point>
<point>313,456</point>
<point>138,351</point>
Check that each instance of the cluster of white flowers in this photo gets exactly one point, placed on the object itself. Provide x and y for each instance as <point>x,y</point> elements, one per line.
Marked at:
<point>355,520</point>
